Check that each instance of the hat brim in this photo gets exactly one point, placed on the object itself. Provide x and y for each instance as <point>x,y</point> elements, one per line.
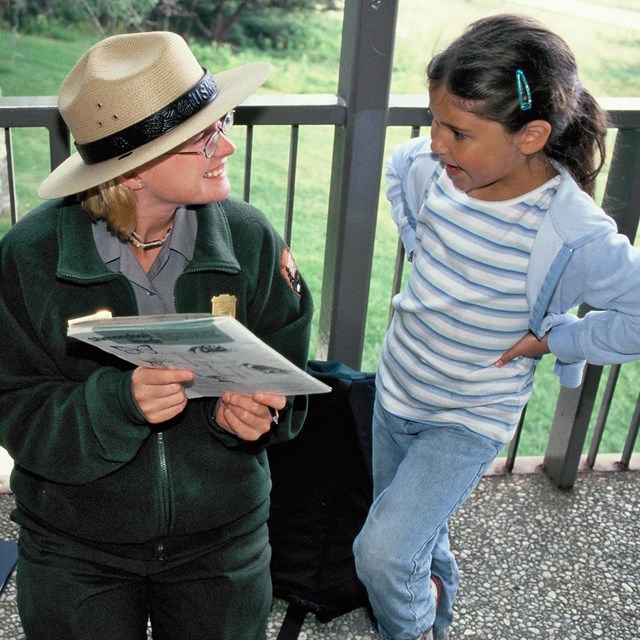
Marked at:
<point>74,176</point>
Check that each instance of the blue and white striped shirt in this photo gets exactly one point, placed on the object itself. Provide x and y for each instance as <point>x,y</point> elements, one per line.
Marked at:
<point>463,307</point>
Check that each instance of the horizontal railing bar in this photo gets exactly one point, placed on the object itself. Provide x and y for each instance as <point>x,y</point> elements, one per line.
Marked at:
<point>301,109</point>
<point>289,109</point>
<point>292,109</point>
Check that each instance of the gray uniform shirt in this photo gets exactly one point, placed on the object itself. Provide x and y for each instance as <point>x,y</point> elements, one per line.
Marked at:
<point>153,289</point>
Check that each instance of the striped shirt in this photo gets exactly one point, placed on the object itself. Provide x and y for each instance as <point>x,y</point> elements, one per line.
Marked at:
<point>463,307</point>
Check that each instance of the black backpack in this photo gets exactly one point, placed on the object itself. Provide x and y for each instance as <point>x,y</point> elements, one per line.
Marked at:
<point>322,491</point>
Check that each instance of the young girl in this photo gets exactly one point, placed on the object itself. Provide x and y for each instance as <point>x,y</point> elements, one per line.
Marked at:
<point>496,214</point>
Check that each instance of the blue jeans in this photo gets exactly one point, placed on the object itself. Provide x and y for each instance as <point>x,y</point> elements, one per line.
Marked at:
<point>421,474</point>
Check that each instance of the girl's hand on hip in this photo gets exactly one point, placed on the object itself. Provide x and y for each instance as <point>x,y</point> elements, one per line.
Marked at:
<point>528,346</point>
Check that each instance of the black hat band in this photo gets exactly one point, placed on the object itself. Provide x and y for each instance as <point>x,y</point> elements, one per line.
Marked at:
<point>123,142</point>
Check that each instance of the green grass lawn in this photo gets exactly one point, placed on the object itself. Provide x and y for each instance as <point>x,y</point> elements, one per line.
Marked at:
<point>608,60</point>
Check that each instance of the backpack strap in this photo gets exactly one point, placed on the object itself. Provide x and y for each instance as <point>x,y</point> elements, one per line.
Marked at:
<point>292,623</point>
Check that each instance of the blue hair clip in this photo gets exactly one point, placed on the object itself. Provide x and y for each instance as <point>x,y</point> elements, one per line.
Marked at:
<point>524,93</point>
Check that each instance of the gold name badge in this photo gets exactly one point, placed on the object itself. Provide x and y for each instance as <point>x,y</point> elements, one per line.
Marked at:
<point>224,305</point>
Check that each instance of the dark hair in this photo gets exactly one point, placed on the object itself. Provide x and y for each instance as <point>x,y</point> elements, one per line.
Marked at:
<point>480,68</point>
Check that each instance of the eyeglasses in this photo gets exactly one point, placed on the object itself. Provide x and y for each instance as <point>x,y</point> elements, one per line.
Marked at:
<point>208,151</point>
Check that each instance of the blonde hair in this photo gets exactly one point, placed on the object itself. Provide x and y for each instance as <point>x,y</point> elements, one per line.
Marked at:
<point>113,202</point>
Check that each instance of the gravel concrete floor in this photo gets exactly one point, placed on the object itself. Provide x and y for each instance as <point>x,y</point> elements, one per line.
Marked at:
<point>536,563</point>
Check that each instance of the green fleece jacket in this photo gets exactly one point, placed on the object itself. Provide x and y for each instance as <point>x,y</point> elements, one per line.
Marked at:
<point>86,461</point>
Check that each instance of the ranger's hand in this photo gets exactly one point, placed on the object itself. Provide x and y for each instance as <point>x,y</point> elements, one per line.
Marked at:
<point>160,393</point>
<point>249,417</point>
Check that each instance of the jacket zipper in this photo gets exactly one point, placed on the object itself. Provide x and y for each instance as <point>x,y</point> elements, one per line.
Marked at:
<point>164,484</point>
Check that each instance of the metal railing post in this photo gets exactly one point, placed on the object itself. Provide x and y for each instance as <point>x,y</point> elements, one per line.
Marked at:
<point>365,77</point>
<point>19,112</point>
<point>569,430</point>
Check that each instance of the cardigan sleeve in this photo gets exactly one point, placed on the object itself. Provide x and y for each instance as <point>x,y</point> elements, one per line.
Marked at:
<point>604,274</point>
<point>408,175</point>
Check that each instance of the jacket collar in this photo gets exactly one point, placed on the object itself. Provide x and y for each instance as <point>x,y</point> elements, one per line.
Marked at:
<point>79,259</point>
<point>214,241</point>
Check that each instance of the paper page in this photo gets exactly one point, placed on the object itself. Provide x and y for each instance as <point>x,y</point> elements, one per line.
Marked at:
<point>223,353</point>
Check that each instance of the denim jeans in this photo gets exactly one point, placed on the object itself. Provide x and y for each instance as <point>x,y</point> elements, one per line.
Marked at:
<point>421,473</point>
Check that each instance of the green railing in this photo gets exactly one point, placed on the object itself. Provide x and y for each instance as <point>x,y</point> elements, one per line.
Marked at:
<point>361,114</point>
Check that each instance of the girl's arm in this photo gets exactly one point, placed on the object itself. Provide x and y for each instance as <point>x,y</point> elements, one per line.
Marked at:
<point>408,171</point>
<point>604,274</point>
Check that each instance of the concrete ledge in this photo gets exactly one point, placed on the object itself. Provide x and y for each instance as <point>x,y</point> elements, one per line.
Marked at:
<point>535,562</point>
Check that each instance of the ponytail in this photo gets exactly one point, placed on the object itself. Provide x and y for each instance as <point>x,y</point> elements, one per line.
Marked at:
<point>580,146</point>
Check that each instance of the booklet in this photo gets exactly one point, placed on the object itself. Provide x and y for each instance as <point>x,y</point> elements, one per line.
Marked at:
<point>223,353</point>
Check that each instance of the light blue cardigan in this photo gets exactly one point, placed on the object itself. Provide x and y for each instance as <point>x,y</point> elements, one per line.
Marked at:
<point>578,257</point>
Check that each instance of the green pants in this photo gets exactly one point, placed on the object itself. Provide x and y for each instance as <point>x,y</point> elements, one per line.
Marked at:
<point>201,591</point>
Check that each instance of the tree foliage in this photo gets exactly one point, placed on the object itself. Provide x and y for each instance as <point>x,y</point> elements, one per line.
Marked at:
<point>222,21</point>
<point>104,16</point>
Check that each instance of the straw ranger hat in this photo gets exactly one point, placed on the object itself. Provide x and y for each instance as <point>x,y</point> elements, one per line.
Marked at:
<point>131,98</point>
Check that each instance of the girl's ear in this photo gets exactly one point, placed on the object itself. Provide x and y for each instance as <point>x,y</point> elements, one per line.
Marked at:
<point>534,136</point>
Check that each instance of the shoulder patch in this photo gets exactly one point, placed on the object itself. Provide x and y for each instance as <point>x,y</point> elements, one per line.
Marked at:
<point>289,271</point>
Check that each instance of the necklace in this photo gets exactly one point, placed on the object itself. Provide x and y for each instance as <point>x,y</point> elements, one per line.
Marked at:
<point>145,246</point>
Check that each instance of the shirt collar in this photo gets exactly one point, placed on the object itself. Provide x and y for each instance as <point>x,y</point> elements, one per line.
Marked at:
<point>182,238</point>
